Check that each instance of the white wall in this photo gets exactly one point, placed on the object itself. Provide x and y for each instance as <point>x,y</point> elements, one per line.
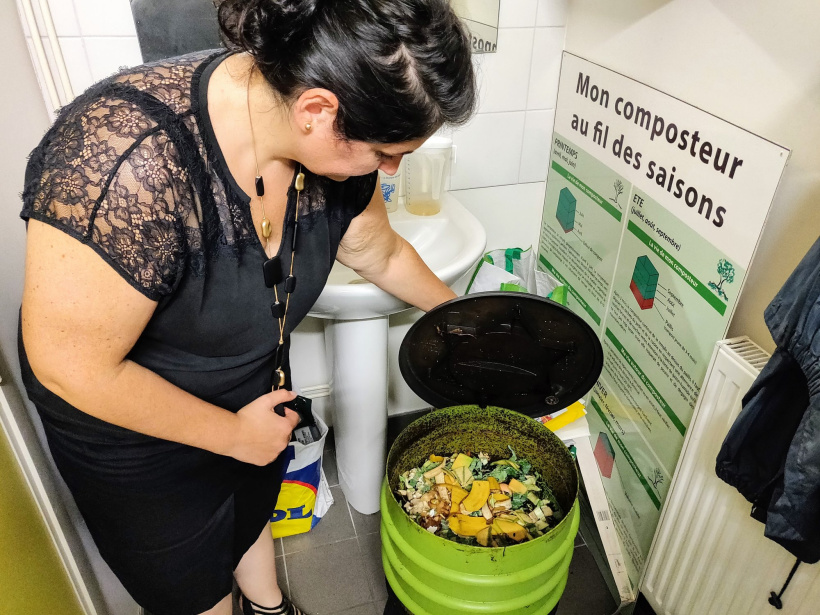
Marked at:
<point>507,141</point>
<point>754,63</point>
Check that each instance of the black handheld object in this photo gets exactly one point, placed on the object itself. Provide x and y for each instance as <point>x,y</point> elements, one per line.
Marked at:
<point>306,430</point>
<point>301,406</point>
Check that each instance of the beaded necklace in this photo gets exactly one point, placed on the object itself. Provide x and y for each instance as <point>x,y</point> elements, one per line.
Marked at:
<point>272,267</point>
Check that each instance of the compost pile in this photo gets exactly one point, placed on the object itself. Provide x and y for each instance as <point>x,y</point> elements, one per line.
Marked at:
<point>479,501</point>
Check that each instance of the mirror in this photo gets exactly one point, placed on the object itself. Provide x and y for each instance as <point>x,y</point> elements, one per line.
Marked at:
<point>190,25</point>
<point>165,31</point>
<point>481,19</point>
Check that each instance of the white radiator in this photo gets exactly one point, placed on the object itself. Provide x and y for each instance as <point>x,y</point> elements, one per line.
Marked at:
<point>709,557</point>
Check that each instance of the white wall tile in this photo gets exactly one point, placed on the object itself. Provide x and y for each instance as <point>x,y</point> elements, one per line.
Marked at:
<point>76,61</point>
<point>489,150</point>
<point>503,76</point>
<point>552,13</point>
<point>517,13</point>
<point>535,151</point>
<point>105,17</point>
<point>511,215</point>
<point>106,54</point>
<point>546,66</point>
<point>64,18</point>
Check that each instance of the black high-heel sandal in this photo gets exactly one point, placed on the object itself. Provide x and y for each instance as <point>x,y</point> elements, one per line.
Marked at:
<point>286,607</point>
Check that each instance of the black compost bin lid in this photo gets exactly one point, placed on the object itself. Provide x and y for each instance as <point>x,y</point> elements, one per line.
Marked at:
<point>505,349</point>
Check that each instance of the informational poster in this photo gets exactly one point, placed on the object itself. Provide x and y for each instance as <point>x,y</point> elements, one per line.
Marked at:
<point>652,214</point>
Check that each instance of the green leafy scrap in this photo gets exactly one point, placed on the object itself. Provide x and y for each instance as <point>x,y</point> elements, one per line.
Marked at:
<point>548,496</point>
<point>500,473</point>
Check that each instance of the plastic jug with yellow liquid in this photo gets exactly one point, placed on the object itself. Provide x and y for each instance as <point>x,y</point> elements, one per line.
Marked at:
<point>426,174</point>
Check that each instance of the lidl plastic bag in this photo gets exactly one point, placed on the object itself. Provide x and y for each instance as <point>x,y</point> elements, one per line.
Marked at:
<point>305,496</point>
<point>514,270</point>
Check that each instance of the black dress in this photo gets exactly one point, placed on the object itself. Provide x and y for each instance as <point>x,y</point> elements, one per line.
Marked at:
<point>132,169</point>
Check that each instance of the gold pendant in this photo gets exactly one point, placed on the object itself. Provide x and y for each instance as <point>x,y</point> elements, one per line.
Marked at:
<point>266,228</point>
<point>281,375</point>
<point>299,184</point>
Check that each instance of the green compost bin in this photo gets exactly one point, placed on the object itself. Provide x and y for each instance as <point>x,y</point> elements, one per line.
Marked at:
<point>431,575</point>
<point>519,356</point>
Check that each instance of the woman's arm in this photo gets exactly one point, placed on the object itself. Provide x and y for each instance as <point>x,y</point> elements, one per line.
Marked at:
<point>377,253</point>
<point>80,319</point>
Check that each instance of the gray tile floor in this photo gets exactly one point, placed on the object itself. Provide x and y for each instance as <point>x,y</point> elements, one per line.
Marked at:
<point>336,568</point>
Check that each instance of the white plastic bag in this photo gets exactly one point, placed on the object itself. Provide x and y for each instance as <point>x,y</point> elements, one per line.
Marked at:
<point>514,270</point>
<point>305,496</point>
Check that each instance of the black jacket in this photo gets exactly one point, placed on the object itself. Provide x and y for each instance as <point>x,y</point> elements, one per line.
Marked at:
<point>772,452</point>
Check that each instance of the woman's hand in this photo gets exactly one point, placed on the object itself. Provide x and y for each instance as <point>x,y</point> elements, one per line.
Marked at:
<point>262,433</point>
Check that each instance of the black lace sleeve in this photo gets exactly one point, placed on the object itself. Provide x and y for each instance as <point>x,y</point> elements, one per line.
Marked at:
<point>357,194</point>
<point>106,175</point>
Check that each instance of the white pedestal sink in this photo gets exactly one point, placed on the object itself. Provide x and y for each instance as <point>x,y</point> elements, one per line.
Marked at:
<point>450,242</point>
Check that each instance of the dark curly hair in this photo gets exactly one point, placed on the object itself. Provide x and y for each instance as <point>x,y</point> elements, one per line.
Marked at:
<point>400,68</point>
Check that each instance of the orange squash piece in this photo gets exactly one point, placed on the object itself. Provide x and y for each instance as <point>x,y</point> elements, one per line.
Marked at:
<point>483,536</point>
<point>467,526</point>
<point>516,486</point>
<point>462,461</point>
<point>478,496</point>
<point>511,529</point>
<point>457,495</point>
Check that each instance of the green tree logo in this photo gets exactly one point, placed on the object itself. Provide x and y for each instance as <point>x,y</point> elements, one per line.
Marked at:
<point>726,271</point>
<point>619,189</point>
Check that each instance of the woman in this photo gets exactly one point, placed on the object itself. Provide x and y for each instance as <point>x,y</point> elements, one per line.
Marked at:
<point>171,210</point>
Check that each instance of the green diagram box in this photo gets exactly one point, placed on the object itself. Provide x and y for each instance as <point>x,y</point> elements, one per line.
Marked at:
<point>566,210</point>
<point>645,277</point>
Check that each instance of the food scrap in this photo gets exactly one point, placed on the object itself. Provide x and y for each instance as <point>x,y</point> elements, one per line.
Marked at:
<point>472,499</point>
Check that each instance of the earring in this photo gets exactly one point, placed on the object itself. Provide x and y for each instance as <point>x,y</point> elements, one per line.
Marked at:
<point>308,126</point>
